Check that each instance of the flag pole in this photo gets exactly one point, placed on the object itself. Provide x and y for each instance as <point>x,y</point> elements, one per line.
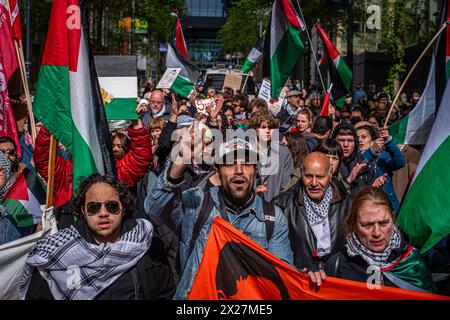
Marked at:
<point>23,77</point>
<point>245,83</point>
<point>313,52</point>
<point>411,71</point>
<point>26,89</point>
<point>51,172</point>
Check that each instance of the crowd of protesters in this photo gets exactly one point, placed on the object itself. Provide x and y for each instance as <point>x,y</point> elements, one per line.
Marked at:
<point>320,193</point>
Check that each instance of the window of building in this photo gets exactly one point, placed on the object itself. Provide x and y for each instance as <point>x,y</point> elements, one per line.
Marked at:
<point>205,8</point>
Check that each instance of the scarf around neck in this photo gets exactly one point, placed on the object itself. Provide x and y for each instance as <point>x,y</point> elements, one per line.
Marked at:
<point>379,259</point>
<point>78,270</point>
<point>317,216</point>
<point>10,179</point>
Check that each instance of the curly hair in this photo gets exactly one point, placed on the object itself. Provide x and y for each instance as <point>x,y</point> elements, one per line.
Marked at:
<point>258,117</point>
<point>127,199</point>
<point>259,103</point>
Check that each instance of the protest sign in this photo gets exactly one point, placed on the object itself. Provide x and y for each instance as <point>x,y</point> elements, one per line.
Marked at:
<point>168,78</point>
<point>233,81</point>
<point>204,105</point>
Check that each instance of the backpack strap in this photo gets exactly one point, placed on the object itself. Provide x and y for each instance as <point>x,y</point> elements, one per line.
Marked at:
<point>205,211</point>
<point>269,218</point>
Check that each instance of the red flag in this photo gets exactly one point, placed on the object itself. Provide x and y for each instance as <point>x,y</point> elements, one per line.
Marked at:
<point>15,19</point>
<point>325,112</point>
<point>326,105</point>
<point>179,37</point>
<point>235,267</point>
<point>181,44</point>
<point>8,64</point>
<point>8,55</point>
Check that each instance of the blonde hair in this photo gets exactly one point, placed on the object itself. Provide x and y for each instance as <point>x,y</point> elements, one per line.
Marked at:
<point>366,194</point>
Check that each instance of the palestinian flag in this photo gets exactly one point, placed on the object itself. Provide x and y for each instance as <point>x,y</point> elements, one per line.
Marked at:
<point>286,47</point>
<point>234,267</point>
<point>24,199</point>
<point>190,73</point>
<point>340,74</point>
<point>254,56</point>
<point>117,76</point>
<point>179,37</point>
<point>68,99</point>
<point>425,211</point>
<point>416,126</point>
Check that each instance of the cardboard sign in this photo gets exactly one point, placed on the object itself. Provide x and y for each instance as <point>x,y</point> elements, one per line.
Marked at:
<point>204,105</point>
<point>168,78</point>
<point>232,81</point>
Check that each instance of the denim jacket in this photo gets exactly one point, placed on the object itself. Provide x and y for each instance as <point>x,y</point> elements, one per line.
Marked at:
<point>250,222</point>
<point>8,230</point>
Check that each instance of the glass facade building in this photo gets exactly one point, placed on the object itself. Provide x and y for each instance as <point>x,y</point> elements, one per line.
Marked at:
<point>200,26</point>
<point>205,8</point>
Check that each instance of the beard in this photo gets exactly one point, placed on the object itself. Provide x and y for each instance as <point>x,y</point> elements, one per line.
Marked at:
<point>238,194</point>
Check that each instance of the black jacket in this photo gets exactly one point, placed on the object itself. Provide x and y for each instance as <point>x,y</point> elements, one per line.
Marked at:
<point>303,241</point>
<point>150,279</point>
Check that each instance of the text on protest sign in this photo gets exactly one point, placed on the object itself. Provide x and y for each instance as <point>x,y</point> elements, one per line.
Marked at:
<point>204,105</point>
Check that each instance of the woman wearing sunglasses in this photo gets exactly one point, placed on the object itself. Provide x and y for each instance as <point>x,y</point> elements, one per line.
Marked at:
<point>106,255</point>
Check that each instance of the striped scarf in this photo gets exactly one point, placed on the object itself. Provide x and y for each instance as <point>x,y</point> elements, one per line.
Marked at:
<point>379,259</point>
<point>317,215</point>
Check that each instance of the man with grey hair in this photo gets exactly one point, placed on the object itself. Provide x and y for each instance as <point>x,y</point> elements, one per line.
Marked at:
<point>157,108</point>
<point>315,210</point>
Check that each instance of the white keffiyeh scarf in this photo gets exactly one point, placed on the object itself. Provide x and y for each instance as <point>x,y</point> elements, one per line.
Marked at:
<point>317,215</point>
<point>379,259</point>
<point>78,270</point>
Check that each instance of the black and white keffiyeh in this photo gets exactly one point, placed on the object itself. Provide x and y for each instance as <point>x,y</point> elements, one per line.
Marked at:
<point>78,270</point>
<point>379,259</point>
<point>317,215</point>
<point>10,179</point>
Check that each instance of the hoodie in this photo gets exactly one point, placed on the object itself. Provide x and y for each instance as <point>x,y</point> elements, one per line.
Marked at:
<point>367,175</point>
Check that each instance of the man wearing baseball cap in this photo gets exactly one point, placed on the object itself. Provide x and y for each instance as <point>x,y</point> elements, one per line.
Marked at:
<point>234,201</point>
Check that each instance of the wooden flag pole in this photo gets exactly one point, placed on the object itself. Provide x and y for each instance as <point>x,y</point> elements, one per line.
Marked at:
<point>23,76</point>
<point>26,88</point>
<point>411,71</point>
<point>51,172</point>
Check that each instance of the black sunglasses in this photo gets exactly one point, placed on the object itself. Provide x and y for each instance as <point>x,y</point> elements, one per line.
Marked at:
<point>10,152</point>
<point>94,207</point>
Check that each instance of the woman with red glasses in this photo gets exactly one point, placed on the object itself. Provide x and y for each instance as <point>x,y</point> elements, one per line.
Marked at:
<point>107,255</point>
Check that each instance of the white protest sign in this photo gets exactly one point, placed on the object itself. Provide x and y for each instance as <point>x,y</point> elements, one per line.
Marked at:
<point>264,92</point>
<point>203,105</point>
<point>168,78</point>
